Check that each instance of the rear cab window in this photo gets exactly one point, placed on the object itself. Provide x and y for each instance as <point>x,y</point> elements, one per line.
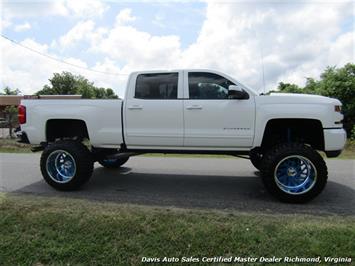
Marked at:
<point>157,86</point>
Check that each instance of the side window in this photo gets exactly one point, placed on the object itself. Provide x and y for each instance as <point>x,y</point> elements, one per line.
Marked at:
<point>157,86</point>
<point>204,85</point>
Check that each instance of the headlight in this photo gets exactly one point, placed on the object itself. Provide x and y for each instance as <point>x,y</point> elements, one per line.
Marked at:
<point>337,108</point>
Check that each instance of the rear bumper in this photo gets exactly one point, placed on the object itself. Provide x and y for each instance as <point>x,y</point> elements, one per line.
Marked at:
<point>334,139</point>
<point>22,137</point>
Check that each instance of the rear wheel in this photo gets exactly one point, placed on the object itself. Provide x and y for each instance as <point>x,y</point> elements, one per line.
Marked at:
<point>294,172</point>
<point>113,163</point>
<point>66,165</point>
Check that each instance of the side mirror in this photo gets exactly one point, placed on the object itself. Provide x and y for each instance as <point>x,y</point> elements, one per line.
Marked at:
<point>235,92</point>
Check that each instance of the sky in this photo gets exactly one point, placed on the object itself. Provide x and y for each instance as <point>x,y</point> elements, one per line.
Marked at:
<point>288,41</point>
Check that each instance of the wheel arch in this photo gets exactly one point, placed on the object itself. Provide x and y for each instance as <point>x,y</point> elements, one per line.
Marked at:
<point>303,130</point>
<point>66,129</point>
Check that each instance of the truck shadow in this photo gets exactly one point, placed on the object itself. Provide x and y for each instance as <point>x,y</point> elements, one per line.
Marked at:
<point>240,193</point>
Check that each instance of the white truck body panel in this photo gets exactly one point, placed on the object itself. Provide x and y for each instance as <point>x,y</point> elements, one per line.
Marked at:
<point>229,123</point>
<point>147,125</point>
<point>183,123</point>
<point>102,118</point>
<point>298,106</point>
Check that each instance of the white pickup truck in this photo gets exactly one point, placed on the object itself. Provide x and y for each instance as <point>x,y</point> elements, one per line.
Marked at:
<point>189,111</point>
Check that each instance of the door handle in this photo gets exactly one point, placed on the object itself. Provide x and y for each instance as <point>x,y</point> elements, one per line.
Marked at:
<point>135,107</point>
<point>194,107</point>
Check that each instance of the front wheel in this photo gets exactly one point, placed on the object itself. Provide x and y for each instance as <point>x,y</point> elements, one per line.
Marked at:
<point>113,163</point>
<point>66,165</point>
<point>294,172</point>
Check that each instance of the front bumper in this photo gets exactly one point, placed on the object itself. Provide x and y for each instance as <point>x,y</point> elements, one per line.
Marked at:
<point>334,139</point>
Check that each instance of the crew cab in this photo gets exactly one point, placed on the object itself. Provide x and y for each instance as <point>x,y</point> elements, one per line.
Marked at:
<point>189,111</point>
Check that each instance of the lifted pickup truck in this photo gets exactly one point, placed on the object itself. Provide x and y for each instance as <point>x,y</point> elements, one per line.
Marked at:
<point>189,111</point>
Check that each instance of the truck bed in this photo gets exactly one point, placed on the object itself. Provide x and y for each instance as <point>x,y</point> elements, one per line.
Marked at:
<point>102,117</point>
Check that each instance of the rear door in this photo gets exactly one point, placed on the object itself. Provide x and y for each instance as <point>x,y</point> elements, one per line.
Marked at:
<point>154,111</point>
<point>212,120</point>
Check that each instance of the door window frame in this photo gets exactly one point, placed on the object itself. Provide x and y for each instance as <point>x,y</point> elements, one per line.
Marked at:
<point>186,85</point>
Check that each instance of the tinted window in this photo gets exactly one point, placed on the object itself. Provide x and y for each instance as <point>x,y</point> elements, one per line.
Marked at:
<point>157,86</point>
<point>204,85</point>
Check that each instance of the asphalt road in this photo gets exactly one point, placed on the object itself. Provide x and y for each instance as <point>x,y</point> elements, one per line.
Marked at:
<point>206,183</point>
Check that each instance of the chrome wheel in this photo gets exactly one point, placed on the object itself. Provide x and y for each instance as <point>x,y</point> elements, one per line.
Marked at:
<point>295,175</point>
<point>61,166</point>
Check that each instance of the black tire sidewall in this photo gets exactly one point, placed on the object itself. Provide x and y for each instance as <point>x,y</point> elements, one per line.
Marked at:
<point>83,161</point>
<point>271,160</point>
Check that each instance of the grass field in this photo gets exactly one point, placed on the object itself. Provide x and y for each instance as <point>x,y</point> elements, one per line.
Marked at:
<point>11,145</point>
<point>37,231</point>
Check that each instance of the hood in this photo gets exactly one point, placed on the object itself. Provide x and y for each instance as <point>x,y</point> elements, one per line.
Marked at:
<point>292,98</point>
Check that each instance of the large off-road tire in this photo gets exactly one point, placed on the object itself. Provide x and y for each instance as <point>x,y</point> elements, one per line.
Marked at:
<point>294,172</point>
<point>113,163</point>
<point>66,165</point>
<point>255,157</point>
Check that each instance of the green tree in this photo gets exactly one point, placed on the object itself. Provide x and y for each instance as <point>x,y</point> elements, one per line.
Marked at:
<point>312,87</point>
<point>8,91</point>
<point>66,83</point>
<point>110,94</point>
<point>336,83</point>
<point>352,135</point>
<point>340,83</point>
<point>289,88</point>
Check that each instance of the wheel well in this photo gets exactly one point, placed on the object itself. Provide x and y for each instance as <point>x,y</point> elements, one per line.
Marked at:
<point>66,128</point>
<point>308,131</point>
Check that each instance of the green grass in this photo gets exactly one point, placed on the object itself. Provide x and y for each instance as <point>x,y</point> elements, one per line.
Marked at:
<point>349,151</point>
<point>62,231</point>
<point>12,146</point>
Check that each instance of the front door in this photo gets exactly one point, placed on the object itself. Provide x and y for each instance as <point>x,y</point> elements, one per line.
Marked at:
<point>213,120</point>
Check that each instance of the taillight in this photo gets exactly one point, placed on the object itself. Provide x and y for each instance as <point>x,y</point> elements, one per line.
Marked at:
<point>22,114</point>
